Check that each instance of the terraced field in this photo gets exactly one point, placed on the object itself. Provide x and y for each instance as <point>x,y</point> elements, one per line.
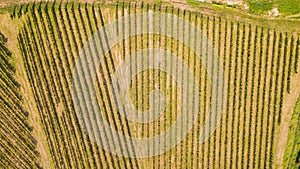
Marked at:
<point>259,65</point>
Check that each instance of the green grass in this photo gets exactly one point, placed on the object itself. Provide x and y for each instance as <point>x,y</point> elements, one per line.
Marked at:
<point>289,7</point>
<point>7,9</point>
<point>285,7</point>
<point>193,2</point>
<point>260,6</point>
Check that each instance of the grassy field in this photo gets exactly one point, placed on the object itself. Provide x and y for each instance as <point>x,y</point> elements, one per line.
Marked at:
<point>285,7</point>
<point>260,58</point>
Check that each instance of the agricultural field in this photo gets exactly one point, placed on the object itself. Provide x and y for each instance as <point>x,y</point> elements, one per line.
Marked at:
<point>50,53</point>
<point>18,147</point>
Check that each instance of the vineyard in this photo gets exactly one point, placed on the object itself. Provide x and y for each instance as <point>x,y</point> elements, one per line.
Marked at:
<point>259,65</point>
<point>292,157</point>
<point>17,146</point>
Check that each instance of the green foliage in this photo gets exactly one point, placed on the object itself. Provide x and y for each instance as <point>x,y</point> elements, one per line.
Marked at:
<point>193,2</point>
<point>260,6</point>
<point>289,7</point>
<point>13,119</point>
<point>285,7</point>
<point>291,155</point>
<point>7,9</point>
<point>49,48</point>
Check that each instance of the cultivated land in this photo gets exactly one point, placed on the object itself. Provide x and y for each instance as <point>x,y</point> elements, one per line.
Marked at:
<point>260,57</point>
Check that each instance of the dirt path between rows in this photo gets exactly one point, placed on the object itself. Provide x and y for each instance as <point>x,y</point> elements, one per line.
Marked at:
<point>288,108</point>
<point>10,29</point>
